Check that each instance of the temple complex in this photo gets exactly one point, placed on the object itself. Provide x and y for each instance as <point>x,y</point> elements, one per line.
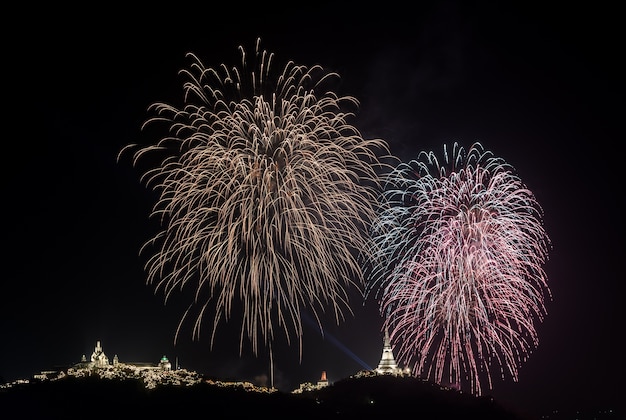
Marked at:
<point>99,359</point>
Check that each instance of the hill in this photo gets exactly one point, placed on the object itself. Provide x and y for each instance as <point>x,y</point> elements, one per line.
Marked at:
<point>365,397</point>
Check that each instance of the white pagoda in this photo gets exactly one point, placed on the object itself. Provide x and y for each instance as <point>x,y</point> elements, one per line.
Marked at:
<point>387,364</point>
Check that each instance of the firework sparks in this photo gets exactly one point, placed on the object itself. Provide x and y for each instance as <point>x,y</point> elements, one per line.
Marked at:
<point>459,249</point>
<point>265,192</point>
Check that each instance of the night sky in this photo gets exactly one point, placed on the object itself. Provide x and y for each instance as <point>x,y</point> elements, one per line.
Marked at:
<point>541,87</point>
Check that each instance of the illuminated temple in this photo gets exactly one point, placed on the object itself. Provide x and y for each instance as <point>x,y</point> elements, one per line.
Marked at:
<point>99,359</point>
<point>387,364</point>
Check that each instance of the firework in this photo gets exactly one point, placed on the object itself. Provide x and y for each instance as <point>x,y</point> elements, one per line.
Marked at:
<point>459,247</point>
<point>265,193</point>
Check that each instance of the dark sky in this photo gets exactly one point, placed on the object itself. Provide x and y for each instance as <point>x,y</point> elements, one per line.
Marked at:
<point>540,87</point>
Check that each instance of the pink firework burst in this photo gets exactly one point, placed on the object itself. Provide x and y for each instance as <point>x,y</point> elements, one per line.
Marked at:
<point>459,247</point>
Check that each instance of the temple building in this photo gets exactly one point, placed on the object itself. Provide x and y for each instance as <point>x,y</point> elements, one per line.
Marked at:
<point>98,358</point>
<point>165,364</point>
<point>323,380</point>
<point>387,364</point>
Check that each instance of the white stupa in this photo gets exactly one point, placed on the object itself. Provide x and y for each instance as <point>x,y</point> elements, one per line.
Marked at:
<point>388,365</point>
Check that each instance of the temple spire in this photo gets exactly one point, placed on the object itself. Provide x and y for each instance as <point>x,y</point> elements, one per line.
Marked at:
<point>388,363</point>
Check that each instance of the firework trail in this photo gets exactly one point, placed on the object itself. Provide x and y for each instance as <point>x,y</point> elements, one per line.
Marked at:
<point>459,248</point>
<point>265,191</point>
